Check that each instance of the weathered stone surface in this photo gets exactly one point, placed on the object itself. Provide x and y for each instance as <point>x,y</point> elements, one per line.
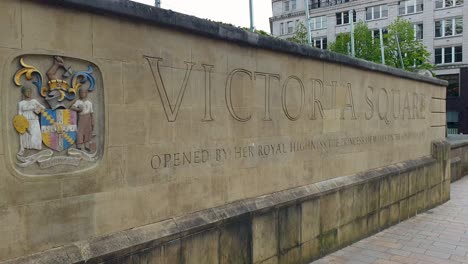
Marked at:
<point>235,243</point>
<point>310,250</point>
<point>352,231</point>
<point>66,254</point>
<point>201,248</point>
<point>207,127</point>
<point>329,241</point>
<point>289,235</point>
<point>10,24</point>
<point>264,236</point>
<point>310,222</point>
<point>329,212</point>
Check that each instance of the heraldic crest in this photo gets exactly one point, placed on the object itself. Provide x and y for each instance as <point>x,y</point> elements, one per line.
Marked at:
<point>55,121</point>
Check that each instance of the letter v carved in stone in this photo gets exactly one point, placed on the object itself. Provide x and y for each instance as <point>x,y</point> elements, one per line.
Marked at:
<point>171,110</point>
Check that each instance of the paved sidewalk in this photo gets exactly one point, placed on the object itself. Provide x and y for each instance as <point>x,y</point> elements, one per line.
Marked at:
<point>437,236</point>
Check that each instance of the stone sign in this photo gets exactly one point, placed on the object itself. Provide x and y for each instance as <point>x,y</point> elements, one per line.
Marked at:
<point>119,116</point>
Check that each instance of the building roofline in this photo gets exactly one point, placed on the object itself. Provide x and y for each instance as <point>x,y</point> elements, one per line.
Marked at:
<point>220,31</point>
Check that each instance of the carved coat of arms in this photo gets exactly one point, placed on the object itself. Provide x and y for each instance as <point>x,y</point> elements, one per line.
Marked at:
<point>55,121</point>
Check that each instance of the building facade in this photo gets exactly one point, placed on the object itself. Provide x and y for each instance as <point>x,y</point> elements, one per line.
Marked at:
<point>438,23</point>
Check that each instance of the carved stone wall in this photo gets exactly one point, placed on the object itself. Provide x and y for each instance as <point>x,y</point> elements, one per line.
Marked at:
<point>188,115</point>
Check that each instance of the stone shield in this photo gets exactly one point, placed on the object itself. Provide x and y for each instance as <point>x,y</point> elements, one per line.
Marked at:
<point>58,127</point>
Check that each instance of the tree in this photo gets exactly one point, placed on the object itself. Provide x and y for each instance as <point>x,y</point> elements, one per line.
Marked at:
<point>300,36</point>
<point>413,52</point>
<point>365,46</point>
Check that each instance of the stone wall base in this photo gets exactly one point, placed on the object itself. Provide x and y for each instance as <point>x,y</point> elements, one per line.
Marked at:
<point>292,226</point>
<point>459,160</point>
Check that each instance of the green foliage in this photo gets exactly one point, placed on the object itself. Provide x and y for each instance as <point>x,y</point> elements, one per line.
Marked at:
<point>342,44</point>
<point>301,34</point>
<point>365,46</point>
<point>414,54</point>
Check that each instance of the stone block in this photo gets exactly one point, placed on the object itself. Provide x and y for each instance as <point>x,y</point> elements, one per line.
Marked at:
<point>235,243</point>
<point>445,191</point>
<point>264,236</point>
<point>384,217</point>
<point>10,24</point>
<point>112,74</point>
<point>420,202</point>
<point>404,186</point>
<point>292,256</point>
<point>395,188</point>
<point>412,205</point>
<point>404,209</point>
<point>373,223</point>
<point>201,248</point>
<point>43,28</point>
<point>329,241</point>
<point>385,190</point>
<point>310,250</point>
<point>413,181</point>
<point>55,223</point>
<point>14,235</point>
<point>20,193</point>
<point>423,178</point>
<point>80,186</point>
<point>360,200</point>
<point>433,197</point>
<point>434,176</point>
<point>116,161</point>
<point>128,125</point>
<point>347,209</point>
<point>394,213</point>
<point>171,253</point>
<point>329,212</point>
<point>352,231</point>
<point>272,260</point>
<point>289,227</point>
<point>373,195</point>
<point>310,227</point>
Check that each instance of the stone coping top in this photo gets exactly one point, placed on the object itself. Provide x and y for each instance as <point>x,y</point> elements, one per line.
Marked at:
<point>457,141</point>
<point>194,25</point>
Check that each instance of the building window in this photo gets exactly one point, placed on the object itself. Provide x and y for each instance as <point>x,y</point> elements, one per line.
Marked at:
<point>286,6</point>
<point>453,88</point>
<point>453,122</point>
<point>376,34</point>
<point>318,22</point>
<point>448,3</point>
<point>290,27</point>
<point>449,27</point>
<point>448,55</point>
<point>293,4</point>
<point>320,43</point>
<point>342,18</point>
<point>376,12</point>
<point>281,28</point>
<point>410,7</point>
<point>418,31</point>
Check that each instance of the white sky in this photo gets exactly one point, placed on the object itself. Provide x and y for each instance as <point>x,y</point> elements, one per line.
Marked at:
<point>234,12</point>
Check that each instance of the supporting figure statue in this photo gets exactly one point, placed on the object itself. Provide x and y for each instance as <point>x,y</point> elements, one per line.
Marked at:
<point>30,109</point>
<point>84,107</point>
